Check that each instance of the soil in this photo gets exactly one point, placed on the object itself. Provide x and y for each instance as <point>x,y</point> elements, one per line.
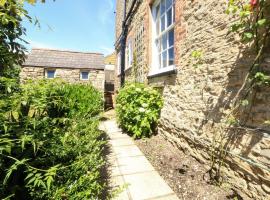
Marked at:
<point>184,174</point>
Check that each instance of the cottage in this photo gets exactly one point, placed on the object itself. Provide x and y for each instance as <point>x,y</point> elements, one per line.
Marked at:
<point>74,67</point>
<point>183,48</point>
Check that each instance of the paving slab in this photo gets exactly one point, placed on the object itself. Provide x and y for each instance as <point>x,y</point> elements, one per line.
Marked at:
<point>118,184</point>
<point>127,151</point>
<point>123,141</point>
<point>131,170</point>
<point>147,185</point>
<point>134,165</point>
<point>118,135</point>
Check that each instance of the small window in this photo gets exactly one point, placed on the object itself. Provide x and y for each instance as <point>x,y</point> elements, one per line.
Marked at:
<point>51,74</point>
<point>119,63</point>
<point>129,54</point>
<point>84,75</point>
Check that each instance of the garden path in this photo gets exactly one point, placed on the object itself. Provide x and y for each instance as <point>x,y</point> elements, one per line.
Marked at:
<point>130,170</point>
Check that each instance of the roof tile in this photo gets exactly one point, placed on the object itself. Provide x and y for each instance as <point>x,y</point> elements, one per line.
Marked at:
<point>64,59</point>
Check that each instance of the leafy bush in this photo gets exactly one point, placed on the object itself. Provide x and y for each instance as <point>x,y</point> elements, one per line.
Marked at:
<point>138,108</point>
<point>50,145</point>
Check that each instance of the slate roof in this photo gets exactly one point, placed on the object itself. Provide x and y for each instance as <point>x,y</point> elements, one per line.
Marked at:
<point>64,59</point>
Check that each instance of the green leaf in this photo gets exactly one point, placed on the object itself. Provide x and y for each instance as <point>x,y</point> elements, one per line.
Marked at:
<point>244,102</point>
<point>2,2</point>
<point>13,168</point>
<point>248,35</point>
<point>9,90</point>
<point>261,22</point>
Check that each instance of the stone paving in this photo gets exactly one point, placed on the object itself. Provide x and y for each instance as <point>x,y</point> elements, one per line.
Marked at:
<point>131,171</point>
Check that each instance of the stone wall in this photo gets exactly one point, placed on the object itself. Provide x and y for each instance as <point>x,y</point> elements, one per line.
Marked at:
<point>119,18</point>
<point>198,97</point>
<point>96,77</point>
<point>31,72</point>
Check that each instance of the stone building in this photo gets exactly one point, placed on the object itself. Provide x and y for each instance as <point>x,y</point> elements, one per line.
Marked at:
<point>74,67</point>
<point>183,48</point>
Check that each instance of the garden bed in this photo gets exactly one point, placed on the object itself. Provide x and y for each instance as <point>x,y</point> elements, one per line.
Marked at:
<point>183,173</point>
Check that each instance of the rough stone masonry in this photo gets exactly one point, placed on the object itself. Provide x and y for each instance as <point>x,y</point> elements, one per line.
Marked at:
<point>67,65</point>
<point>198,97</point>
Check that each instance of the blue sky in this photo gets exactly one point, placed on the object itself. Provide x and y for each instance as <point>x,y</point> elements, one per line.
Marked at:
<point>81,25</point>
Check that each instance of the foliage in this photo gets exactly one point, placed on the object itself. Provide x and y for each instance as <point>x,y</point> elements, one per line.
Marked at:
<point>251,22</point>
<point>253,26</point>
<point>50,146</point>
<point>197,58</point>
<point>12,50</point>
<point>138,108</point>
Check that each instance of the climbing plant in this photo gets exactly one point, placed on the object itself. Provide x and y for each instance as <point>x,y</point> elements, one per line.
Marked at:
<point>252,25</point>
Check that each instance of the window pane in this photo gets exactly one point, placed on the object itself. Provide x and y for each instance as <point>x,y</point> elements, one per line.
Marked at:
<point>168,4</point>
<point>164,59</point>
<point>84,75</point>
<point>163,23</point>
<point>159,60</point>
<point>171,38</point>
<point>50,74</point>
<point>119,63</point>
<point>157,12</point>
<point>173,11</point>
<point>171,56</point>
<point>158,45</point>
<point>162,7</point>
<point>158,26</point>
<point>164,41</point>
<point>169,17</point>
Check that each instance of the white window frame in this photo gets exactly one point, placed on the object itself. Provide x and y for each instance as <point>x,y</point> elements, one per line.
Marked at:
<point>129,55</point>
<point>48,70</point>
<point>156,67</point>
<point>81,77</point>
<point>119,64</point>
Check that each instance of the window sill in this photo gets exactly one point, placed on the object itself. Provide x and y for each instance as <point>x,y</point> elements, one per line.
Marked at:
<point>128,68</point>
<point>162,72</point>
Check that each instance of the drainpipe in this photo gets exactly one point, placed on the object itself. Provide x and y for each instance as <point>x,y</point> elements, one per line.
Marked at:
<point>123,47</point>
<point>123,59</point>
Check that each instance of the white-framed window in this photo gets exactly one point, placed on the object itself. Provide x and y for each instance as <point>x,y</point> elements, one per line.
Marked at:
<point>129,55</point>
<point>119,63</point>
<point>50,73</point>
<point>163,21</point>
<point>84,75</point>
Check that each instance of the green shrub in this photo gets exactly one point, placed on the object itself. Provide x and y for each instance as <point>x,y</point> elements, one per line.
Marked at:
<point>50,145</point>
<point>138,109</point>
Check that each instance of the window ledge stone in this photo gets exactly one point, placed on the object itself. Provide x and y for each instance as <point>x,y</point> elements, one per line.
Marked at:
<point>163,72</point>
